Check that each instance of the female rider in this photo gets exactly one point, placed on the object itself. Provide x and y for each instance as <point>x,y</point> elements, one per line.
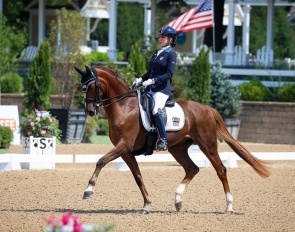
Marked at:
<point>157,80</point>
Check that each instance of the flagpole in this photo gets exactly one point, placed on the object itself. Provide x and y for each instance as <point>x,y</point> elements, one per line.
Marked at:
<point>214,47</point>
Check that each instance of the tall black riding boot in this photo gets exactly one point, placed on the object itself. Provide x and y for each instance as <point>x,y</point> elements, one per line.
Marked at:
<point>161,129</point>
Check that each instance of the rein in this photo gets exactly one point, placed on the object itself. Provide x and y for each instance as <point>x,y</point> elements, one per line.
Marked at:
<point>121,96</point>
<point>98,101</point>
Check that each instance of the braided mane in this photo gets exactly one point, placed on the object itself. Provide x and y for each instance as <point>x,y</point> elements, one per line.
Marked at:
<point>111,71</point>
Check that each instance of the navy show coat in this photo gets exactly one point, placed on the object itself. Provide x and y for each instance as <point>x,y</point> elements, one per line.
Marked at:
<point>161,69</point>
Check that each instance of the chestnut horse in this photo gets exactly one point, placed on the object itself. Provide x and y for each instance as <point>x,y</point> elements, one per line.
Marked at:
<point>203,125</point>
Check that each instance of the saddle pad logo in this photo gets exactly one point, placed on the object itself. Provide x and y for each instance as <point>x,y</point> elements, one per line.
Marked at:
<point>175,121</point>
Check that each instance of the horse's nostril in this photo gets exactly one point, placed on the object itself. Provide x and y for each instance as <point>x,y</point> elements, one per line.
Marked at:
<point>91,113</point>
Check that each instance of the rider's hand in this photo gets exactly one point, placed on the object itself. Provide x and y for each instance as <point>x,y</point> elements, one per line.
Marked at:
<point>137,82</point>
<point>148,82</point>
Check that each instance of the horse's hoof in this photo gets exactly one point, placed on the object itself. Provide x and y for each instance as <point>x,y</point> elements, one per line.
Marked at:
<point>87,194</point>
<point>178,206</point>
<point>229,212</point>
<point>144,211</point>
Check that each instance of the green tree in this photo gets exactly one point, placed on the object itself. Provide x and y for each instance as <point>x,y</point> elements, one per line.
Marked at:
<point>137,61</point>
<point>38,86</point>
<point>9,48</point>
<point>283,34</point>
<point>65,53</point>
<point>199,83</point>
<point>225,97</point>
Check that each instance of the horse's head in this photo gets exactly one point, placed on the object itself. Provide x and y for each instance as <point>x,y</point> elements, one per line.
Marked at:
<point>90,87</point>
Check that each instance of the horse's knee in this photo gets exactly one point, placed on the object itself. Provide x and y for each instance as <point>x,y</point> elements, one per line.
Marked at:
<point>100,163</point>
<point>222,172</point>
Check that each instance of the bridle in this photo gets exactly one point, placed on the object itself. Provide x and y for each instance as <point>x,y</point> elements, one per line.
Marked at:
<point>98,101</point>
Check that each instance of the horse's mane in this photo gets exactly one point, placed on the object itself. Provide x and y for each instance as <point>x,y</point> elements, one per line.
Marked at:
<point>111,71</point>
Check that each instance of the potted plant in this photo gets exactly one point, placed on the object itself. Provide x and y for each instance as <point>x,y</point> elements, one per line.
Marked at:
<point>39,131</point>
<point>226,99</point>
<point>71,30</point>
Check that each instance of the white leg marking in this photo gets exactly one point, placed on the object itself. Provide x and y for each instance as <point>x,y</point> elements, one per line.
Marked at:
<point>229,202</point>
<point>179,192</point>
<point>89,188</point>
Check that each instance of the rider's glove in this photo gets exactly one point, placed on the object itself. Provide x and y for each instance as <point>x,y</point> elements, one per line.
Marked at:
<point>137,82</point>
<point>148,82</point>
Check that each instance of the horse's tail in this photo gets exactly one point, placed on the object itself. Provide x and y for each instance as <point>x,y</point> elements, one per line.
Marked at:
<point>258,165</point>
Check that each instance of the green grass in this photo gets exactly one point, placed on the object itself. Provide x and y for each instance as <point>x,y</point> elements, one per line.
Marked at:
<point>100,139</point>
<point>3,151</point>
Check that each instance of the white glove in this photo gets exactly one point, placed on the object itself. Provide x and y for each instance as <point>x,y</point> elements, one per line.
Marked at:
<point>137,82</point>
<point>148,82</point>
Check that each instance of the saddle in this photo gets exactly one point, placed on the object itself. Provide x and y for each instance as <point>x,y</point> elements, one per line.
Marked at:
<point>147,103</point>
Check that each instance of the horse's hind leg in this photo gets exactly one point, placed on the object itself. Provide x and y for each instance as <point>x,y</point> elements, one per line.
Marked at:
<point>212,154</point>
<point>180,154</point>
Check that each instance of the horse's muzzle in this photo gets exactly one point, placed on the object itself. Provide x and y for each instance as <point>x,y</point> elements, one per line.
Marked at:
<point>91,111</point>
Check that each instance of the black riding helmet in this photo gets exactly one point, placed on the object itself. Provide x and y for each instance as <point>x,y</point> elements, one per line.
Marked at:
<point>170,33</point>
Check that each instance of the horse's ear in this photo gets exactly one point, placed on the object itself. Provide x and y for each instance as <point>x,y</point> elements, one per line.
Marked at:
<point>78,70</point>
<point>87,69</point>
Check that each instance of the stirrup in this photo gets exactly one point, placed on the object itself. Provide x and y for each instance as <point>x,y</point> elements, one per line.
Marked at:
<point>161,145</point>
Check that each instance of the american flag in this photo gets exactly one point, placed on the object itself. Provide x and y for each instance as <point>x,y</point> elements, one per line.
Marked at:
<point>196,18</point>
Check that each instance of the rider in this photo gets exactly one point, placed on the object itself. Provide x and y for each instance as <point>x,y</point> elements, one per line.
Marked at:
<point>157,80</point>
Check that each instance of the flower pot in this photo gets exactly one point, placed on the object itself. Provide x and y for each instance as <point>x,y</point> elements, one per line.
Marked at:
<point>38,146</point>
<point>233,126</point>
<point>72,123</point>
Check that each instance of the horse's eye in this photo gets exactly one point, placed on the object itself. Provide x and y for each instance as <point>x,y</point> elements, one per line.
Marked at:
<point>92,87</point>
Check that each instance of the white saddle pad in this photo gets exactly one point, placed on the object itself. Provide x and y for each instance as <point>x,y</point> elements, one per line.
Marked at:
<point>175,117</point>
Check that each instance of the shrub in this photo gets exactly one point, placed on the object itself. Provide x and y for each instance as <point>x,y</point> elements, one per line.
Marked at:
<point>103,125</point>
<point>11,83</point>
<point>97,56</point>
<point>38,86</point>
<point>199,82</point>
<point>6,137</point>
<point>137,61</point>
<point>225,97</point>
<point>91,126</point>
<point>180,81</point>
<point>287,93</point>
<point>254,91</point>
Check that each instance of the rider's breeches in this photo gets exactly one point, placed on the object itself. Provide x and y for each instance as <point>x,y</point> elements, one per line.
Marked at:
<point>160,100</point>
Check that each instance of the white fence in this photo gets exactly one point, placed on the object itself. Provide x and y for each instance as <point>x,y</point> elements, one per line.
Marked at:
<point>13,161</point>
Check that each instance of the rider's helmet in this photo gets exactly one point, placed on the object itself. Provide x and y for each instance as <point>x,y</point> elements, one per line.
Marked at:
<point>170,32</point>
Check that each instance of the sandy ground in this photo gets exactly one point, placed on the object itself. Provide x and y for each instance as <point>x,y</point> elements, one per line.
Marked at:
<point>28,196</point>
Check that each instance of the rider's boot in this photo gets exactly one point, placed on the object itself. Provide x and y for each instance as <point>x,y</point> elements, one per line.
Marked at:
<point>162,145</point>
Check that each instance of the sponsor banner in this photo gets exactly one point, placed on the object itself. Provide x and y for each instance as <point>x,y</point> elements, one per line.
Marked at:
<point>9,117</point>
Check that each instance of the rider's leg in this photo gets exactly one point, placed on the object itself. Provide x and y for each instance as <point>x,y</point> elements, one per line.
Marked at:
<point>161,129</point>
<point>160,101</point>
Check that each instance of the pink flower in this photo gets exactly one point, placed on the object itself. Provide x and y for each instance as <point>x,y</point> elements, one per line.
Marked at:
<point>66,218</point>
<point>43,132</point>
<point>50,120</point>
<point>77,227</point>
<point>32,124</point>
<point>29,133</point>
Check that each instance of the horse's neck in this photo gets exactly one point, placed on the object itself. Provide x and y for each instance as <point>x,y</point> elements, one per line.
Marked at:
<point>116,88</point>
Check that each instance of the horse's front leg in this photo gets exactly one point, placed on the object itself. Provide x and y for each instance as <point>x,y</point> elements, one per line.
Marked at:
<point>133,165</point>
<point>110,156</point>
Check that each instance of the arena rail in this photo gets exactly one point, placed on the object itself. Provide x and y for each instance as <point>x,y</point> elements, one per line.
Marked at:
<point>13,161</point>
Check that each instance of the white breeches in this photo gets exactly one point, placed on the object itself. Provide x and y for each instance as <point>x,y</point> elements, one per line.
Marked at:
<point>160,100</point>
